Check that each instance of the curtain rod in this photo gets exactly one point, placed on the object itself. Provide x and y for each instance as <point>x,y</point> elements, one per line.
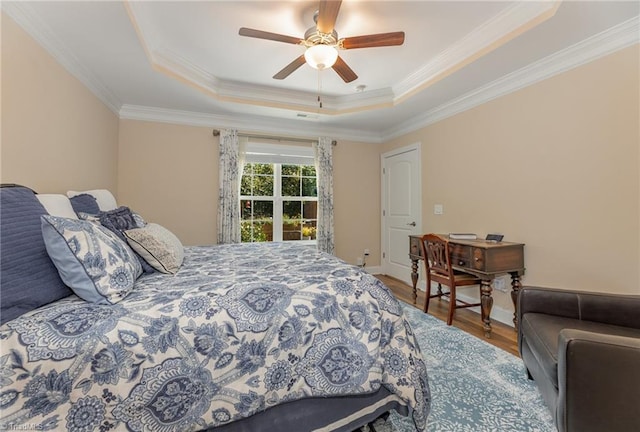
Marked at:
<point>216,133</point>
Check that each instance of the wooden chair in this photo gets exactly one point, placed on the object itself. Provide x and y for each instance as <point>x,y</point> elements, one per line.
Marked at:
<point>435,251</point>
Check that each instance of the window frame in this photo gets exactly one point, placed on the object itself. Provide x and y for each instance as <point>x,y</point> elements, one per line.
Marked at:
<point>279,155</point>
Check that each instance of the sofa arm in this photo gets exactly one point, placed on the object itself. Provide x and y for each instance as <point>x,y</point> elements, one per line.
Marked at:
<point>615,309</point>
<point>598,381</point>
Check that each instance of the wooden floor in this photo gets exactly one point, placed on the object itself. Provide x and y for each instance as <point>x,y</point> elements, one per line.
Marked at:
<point>502,336</point>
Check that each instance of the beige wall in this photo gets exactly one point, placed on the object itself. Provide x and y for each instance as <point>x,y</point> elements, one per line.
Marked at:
<point>356,190</point>
<point>56,135</point>
<point>169,174</point>
<point>555,166</point>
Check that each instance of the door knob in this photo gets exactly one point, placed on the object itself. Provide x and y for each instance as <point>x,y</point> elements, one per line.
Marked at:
<point>412,224</point>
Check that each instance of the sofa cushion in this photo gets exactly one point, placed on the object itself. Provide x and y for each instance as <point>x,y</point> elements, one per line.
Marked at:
<point>541,333</point>
<point>29,278</point>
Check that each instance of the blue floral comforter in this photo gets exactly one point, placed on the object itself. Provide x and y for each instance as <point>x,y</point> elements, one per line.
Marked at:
<point>239,329</point>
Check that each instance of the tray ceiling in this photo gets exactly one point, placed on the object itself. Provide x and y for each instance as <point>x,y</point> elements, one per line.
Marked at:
<point>184,61</point>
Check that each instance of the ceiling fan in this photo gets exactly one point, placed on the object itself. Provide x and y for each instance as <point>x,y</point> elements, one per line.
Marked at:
<point>322,43</point>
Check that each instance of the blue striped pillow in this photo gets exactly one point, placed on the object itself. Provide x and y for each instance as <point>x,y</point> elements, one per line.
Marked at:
<point>29,278</point>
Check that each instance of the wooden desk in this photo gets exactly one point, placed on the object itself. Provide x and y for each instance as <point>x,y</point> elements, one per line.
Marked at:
<point>483,259</point>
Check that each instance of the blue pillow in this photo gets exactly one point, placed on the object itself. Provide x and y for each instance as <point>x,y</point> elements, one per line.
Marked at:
<point>120,220</point>
<point>85,203</point>
<point>94,262</point>
<point>29,278</point>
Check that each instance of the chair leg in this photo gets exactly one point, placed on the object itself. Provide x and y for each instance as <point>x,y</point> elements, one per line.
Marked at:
<point>452,304</point>
<point>427,296</point>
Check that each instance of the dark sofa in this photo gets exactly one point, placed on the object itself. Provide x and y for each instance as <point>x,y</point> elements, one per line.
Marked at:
<point>583,351</point>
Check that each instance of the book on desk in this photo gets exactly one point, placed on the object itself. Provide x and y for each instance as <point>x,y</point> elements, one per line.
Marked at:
<point>462,236</point>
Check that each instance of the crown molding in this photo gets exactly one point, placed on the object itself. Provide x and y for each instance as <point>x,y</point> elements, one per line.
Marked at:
<point>602,44</point>
<point>508,24</point>
<point>26,17</point>
<point>250,124</point>
<point>498,30</point>
<point>597,46</point>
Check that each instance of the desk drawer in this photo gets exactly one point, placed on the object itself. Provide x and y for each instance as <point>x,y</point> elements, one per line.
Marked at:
<point>460,255</point>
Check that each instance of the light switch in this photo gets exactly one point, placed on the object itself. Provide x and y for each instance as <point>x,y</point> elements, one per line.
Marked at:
<point>438,209</point>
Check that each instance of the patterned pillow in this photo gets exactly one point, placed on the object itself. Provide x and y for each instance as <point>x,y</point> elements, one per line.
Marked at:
<point>118,221</point>
<point>92,261</point>
<point>158,246</point>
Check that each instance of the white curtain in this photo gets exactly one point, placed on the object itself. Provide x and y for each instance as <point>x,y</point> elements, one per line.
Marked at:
<point>229,187</point>
<point>324,169</point>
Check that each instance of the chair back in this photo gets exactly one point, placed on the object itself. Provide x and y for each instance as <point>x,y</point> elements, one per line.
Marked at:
<point>435,251</point>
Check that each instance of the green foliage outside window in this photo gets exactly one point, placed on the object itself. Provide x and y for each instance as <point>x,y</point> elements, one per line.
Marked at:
<point>257,212</point>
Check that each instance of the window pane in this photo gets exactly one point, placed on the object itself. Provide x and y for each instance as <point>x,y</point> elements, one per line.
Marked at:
<point>263,186</point>
<point>255,231</point>
<point>245,185</point>
<point>290,186</point>
<point>310,210</point>
<point>263,210</point>
<point>309,230</point>
<point>291,220</point>
<point>293,170</point>
<point>245,209</point>
<point>308,170</point>
<point>257,221</point>
<point>292,209</point>
<point>263,168</point>
<point>309,187</point>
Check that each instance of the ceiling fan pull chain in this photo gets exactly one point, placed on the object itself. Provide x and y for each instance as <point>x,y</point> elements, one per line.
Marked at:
<point>319,88</point>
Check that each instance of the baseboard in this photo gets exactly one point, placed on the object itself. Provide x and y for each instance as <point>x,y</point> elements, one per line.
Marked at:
<point>497,313</point>
<point>373,270</point>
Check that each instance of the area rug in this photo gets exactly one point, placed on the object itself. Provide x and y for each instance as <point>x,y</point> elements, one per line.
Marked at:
<point>475,386</point>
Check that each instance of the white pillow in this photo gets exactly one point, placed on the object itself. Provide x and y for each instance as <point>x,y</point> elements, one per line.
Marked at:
<point>57,205</point>
<point>106,200</point>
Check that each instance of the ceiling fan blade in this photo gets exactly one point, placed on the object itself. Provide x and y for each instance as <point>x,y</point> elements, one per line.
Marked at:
<point>290,68</point>
<point>374,40</point>
<point>327,15</point>
<point>344,71</point>
<point>269,36</point>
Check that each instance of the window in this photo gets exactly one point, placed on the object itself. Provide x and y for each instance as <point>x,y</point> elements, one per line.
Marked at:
<point>278,200</point>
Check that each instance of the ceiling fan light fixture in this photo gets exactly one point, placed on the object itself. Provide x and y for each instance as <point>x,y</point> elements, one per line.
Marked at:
<point>321,56</point>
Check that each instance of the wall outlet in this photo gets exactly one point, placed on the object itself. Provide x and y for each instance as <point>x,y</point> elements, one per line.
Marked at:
<point>359,261</point>
<point>366,252</point>
<point>438,209</point>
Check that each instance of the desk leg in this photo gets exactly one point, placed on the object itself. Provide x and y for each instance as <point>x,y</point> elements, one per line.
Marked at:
<point>414,279</point>
<point>486,302</point>
<point>515,289</point>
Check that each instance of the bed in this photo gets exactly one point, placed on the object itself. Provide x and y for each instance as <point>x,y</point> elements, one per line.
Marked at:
<point>244,337</point>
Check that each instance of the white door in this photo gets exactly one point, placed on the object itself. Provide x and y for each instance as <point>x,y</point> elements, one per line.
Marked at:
<point>401,208</point>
